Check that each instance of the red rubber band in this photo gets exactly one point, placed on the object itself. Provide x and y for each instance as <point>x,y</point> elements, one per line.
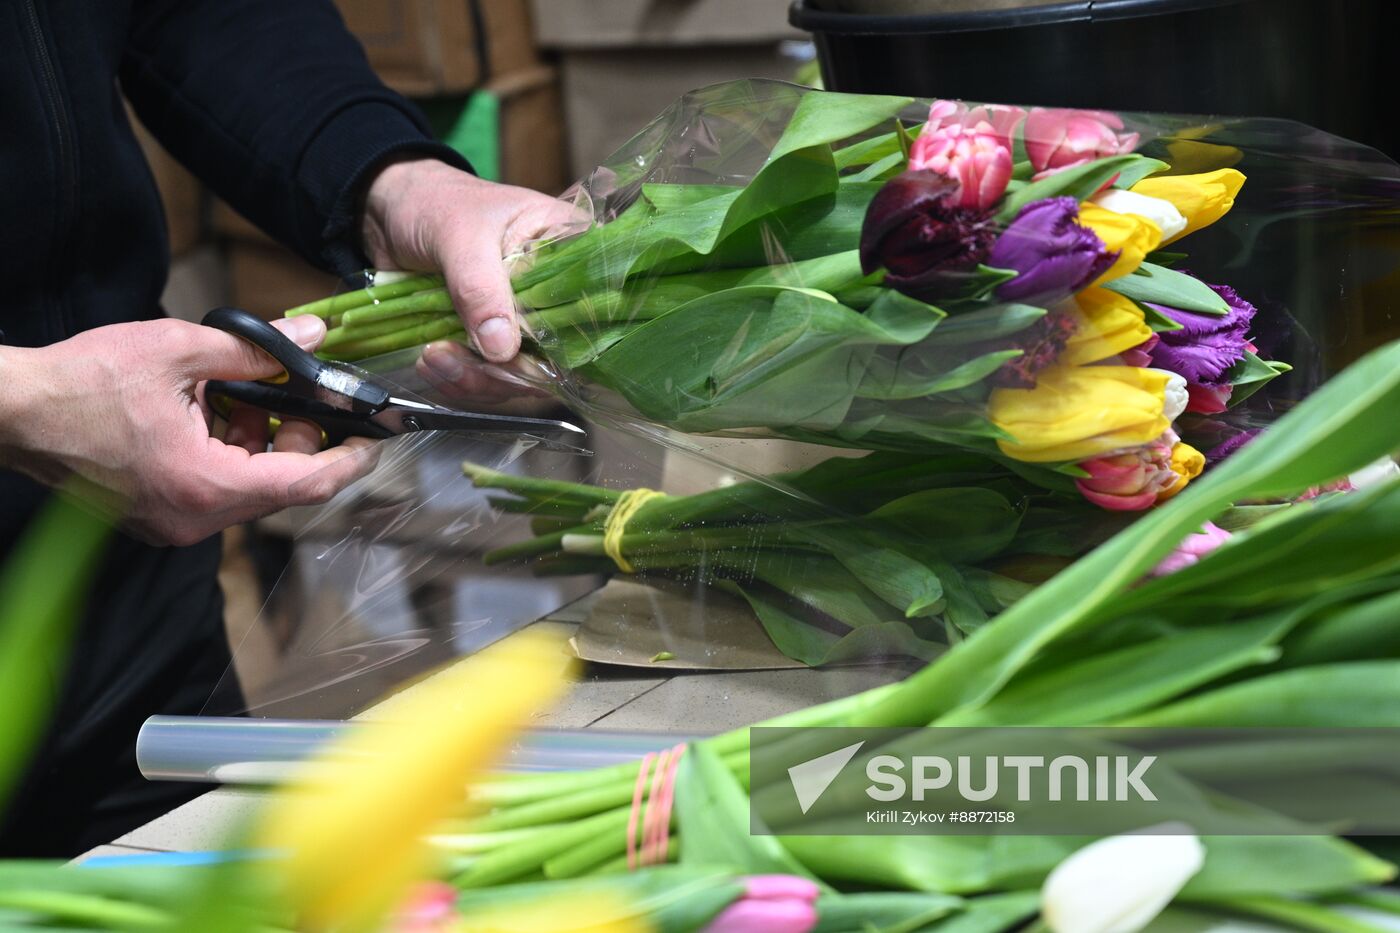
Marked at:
<point>636,810</point>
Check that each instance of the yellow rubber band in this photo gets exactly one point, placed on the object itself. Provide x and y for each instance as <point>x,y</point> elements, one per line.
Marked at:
<point>626,507</point>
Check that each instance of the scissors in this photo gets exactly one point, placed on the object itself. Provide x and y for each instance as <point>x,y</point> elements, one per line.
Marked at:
<point>346,403</point>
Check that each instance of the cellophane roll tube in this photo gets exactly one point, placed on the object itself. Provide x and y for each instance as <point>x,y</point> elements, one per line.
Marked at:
<point>861,371</point>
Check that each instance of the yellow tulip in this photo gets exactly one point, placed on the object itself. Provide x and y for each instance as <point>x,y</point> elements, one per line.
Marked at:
<point>1078,412</point>
<point>1106,324</point>
<point>1131,236</point>
<point>354,826</point>
<point>1202,199</point>
<point>1187,464</point>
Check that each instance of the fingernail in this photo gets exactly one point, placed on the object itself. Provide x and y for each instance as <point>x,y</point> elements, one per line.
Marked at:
<point>444,363</point>
<point>302,329</point>
<point>496,338</point>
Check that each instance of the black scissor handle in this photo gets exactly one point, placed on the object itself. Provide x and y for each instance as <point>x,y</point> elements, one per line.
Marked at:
<point>307,377</point>
<point>275,399</point>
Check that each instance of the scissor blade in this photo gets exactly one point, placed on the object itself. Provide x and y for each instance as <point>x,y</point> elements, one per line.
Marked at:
<point>403,415</point>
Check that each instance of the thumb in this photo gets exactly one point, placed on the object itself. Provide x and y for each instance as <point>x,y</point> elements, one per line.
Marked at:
<point>209,353</point>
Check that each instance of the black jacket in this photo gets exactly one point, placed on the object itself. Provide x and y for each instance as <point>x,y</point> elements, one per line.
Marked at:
<point>272,104</point>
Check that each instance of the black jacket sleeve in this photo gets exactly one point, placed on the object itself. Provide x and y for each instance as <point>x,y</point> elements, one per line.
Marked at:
<point>274,105</point>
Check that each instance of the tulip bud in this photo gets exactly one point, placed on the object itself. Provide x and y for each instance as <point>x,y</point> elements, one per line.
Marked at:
<point>1054,255</point>
<point>1130,481</point>
<point>1060,139</point>
<point>1130,236</point>
<point>928,244</point>
<point>1206,346</point>
<point>1201,199</point>
<point>770,904</point>
<point>1192,549</point>
<point>971,156</point>
<point>1119,884</point>
<point>1162,213</point>
<point>1080,412</point>
<point>1003,119</point>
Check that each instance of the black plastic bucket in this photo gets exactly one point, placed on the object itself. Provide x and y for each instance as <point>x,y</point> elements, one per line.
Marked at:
<point>1315,61</point>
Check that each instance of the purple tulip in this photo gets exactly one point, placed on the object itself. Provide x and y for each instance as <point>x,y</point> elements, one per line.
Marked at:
<point>929,246</point>
<point>1207,345</point>
<point>1054,254</point>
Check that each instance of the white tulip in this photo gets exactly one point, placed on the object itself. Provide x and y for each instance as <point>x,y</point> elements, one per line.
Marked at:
<point>1162,213</point>
<point>1379,472</point>
<point>1120,884</point>
<point>1176,397</point>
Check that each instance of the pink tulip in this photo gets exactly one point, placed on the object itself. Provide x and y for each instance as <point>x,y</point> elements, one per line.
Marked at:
<point>1192,549</point>
<point>1002,119</point>
<point>431,908</point>
<point>1061,139</point>
<point>1130,481</point>
<point>973,157</point>
<point>770,904</point>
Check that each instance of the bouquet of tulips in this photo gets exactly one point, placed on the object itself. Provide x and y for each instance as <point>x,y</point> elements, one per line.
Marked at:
<point>876,273</point>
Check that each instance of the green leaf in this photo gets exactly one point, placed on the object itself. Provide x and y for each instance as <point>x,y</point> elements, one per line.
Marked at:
<point>43,588</point>
<point>800,639</point>
<point>941,864</point>
<point>967,525</point>
<point>801,165</point>
<point>1358,694</point>
<point>1156,320</point>
<point>712,812</point>
<point>669,197</point>
<point>890,574</point>
<point>1107,685</point>
<point>1080,182</point>
<point>986,322</point>
<point>1139,170</point>
<point>887,911</point>
<point>1251,374</point>
<point>909,377</point>
<point>754,357</point>
<point>1163,286</point>
<point>1240,866</point>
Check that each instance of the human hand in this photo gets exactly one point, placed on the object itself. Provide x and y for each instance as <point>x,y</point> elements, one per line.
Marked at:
<point>424,215</point>
<point>121,409</point>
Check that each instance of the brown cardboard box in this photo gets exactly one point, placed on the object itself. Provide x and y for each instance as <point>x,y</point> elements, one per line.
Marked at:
<point>423,47</point>
<point>181,195</point>
<point>531,131</point>
<point>267,279</point>
<point>610,95</point>
<point>574,24</point>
